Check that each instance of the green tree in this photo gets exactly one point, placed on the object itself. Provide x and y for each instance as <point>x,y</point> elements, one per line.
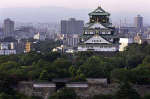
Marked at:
<point>93,67</point>
<point>44,76</point>
<point>127,92</point>
<point>5,96</point>
<point>146,60</point>
<point>80,76</point>
<point>46,46</point>
<point>72,71</point>
<point>147,96</point>
<point>132,61</point>
<point>60,68</point>
<point>51,56</point>
<point>4,67</point>
<point>142,74</point>
<point>121,75</point>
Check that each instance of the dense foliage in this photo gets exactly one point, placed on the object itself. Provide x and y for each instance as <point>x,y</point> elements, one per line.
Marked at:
<point>45,46</point>
<point>132,65</point>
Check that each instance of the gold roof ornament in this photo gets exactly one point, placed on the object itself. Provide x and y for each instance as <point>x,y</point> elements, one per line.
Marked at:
<point>97,33</point>
<point>99,11</point>
<point>99,6</point>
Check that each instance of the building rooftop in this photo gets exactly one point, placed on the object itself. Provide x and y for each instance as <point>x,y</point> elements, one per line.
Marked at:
<point>99,11</point>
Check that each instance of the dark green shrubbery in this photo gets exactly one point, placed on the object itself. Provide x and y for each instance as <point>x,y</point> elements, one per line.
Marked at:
<point>132,65</point>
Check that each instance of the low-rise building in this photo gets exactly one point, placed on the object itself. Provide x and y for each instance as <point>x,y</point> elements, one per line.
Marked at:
<point>138,39</point>
<point>71,40</point>
<point>27,47</point>
<point>39,36</point>
<point>124,42</point>
<point>7,48</point>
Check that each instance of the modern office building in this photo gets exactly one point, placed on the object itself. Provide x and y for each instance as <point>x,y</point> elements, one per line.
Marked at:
<point>138,21</point>
<point>72,26</point>
<point>99,35</point>
<point>126,30</point>
<point>8,28</point>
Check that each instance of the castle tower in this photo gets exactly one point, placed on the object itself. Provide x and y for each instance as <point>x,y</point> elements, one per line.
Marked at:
<point>99,34</point>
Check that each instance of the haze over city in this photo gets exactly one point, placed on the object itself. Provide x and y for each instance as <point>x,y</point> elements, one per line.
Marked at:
<point>51,11</point>
<point>74,49</point>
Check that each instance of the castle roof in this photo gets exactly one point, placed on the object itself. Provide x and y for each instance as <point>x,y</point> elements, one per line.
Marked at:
<point>97,39</point>
<point>97,25</point>
<point>99,11</point>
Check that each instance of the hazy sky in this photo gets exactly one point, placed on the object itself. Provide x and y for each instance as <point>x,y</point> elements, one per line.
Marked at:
<point>112,5</point>
<point>119,9</point>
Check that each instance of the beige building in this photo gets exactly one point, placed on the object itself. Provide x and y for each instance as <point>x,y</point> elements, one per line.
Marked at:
<point>27,47</point>
<point>138,39</point>
<point>124,42</point>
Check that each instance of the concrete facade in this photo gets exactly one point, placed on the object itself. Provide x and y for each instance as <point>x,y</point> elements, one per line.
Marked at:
<point>72,26</point>
<point>8,28</point>
<point>83,90</point>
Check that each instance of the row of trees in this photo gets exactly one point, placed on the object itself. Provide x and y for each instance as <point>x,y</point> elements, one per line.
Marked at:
<point>39,66</point>
<point>132,65</point>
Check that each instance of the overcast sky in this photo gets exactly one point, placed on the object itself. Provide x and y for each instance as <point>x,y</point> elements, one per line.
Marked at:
<point>118,8</point>
<point>114,5</point>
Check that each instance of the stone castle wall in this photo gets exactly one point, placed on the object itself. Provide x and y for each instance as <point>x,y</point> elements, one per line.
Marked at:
<point>83,90</point>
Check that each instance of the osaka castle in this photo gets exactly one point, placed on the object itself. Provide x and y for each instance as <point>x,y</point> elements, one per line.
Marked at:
<point>99,35</point>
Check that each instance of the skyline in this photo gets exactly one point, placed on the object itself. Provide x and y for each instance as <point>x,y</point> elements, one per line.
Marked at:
<point>125,5</point>
<point>119,9</point>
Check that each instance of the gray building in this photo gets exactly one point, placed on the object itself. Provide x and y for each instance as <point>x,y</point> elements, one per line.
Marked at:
<point>71,40</point>
<point>138,21</point>
<point>126,30</point>
<point>24,32</point>
<point>72,26</point>
<point>8,28</point>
